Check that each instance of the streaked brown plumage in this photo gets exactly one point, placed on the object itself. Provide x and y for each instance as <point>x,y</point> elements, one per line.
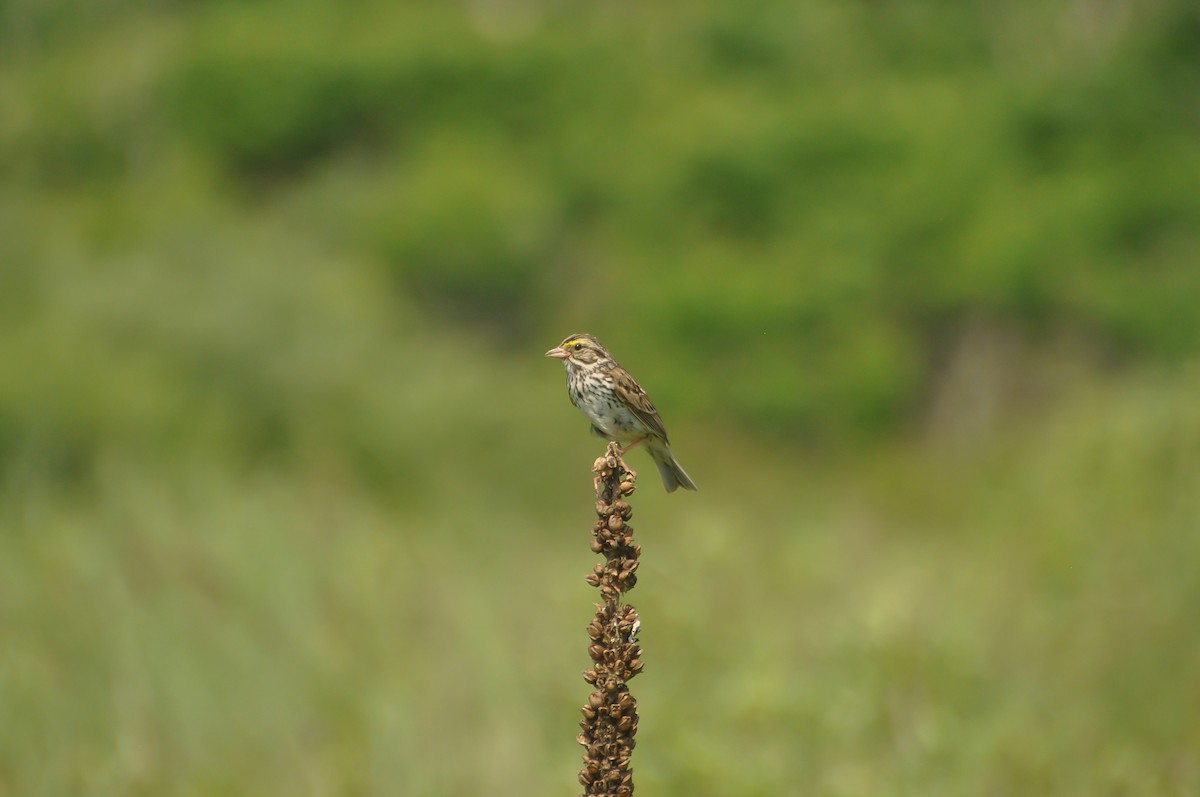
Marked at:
<point>616,404</point>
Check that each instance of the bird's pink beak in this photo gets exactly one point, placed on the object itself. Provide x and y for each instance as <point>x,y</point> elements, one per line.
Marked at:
<point>558,352</point>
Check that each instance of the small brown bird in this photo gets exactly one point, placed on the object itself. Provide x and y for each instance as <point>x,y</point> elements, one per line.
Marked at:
<point>616,404</point>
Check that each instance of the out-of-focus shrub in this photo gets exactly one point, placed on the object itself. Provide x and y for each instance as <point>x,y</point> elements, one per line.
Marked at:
<point>809,204</point>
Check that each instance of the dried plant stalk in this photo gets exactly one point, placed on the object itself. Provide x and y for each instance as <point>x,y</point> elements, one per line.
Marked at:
<point>610,717</point>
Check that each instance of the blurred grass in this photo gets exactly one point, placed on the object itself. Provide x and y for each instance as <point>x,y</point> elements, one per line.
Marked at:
<point>290,503</point>
<point>1013,617</point>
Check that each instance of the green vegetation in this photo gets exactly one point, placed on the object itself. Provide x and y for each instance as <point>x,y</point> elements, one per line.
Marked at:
<point>287,501</point>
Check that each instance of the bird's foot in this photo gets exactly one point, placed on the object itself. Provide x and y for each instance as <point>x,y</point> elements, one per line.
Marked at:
<point>625,467</point>
<point>605,465</point>
<point>613,459</point>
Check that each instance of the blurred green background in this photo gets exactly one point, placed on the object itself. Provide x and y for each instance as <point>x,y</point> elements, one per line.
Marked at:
<point>292,504</point>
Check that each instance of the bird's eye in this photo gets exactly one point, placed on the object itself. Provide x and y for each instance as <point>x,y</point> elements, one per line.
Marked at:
<point>578,346</point>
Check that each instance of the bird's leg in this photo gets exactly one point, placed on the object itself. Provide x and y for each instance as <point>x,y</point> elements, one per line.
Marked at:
<point>633,445</point>
<point>621,452</point>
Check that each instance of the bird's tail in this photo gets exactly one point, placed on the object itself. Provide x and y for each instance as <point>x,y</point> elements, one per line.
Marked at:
<point>673,475</point>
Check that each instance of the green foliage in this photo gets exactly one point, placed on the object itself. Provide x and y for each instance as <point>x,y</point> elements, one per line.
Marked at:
<point>953,164</point>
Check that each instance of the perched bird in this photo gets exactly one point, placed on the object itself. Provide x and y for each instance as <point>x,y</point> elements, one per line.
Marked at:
<point>616,404</point>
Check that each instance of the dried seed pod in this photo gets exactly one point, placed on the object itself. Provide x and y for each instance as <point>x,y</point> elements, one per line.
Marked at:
<point>610,715</point>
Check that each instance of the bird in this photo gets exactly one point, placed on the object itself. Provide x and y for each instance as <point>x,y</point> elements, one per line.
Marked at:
<point>616,405</point>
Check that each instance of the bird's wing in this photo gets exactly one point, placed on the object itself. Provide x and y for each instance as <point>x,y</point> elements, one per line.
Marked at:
<point>632,394</point>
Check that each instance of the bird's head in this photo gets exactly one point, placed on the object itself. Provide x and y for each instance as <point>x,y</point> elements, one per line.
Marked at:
<point>580,350</point>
